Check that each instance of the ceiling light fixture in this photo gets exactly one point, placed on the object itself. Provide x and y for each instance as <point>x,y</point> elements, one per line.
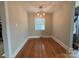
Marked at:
<point>38,14</point>
<point>41,13</point>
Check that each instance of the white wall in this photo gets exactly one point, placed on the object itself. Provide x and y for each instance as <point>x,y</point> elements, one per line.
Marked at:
<point>17,26</point>
<point>76,3</point>
<point>4,28</point>
<point>62,23</point>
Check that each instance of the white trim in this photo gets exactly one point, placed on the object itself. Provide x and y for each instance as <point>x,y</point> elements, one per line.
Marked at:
<point>48,36</point>
<point>45,36</point>
<point>68,49</point>
<point>71,29</point>
<point>19,48</point>
<point>33,36</point>
<point>3,54</point>
<point>58,41</point>
<point>8,30</point>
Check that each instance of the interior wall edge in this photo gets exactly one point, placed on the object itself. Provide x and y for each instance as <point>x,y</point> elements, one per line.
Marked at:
<point>68,49</point>
<point>19,48</point>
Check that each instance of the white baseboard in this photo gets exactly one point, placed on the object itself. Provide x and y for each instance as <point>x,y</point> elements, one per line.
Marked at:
<point>58,41</point>
<point>68,49</point>
<point>48,36</point>
<point>62,44</point>
<point>33,36</point>
<point>19,48</point>
<point>3,54</point>
<point>45,36</point>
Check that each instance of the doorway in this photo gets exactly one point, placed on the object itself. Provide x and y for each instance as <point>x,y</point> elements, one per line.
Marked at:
<point>1,40</point>
<point>76,29</point>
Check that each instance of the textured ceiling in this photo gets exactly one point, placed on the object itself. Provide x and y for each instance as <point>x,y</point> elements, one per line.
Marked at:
<point>48,6</point>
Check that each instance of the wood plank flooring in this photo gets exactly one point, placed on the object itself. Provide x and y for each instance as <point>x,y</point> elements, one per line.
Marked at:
<point>42,48</point>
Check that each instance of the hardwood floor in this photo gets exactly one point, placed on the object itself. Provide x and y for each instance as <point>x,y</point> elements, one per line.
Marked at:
<point>42,48</point>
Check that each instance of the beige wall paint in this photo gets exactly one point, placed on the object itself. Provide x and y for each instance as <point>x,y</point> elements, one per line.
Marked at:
<point>17,26</point>
<point>62,23</point>
<point>48,22</point>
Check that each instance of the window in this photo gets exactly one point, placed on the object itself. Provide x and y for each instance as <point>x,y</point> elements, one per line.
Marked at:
<point>39,23</point>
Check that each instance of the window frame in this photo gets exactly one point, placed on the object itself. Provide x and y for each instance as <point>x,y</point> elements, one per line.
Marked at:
<point>42,18</point>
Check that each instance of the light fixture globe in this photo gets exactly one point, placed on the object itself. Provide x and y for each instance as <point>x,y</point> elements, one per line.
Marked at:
<point>40,13</point>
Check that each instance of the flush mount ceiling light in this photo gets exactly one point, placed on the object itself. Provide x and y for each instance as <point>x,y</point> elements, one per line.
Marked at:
<point>41,13</point>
